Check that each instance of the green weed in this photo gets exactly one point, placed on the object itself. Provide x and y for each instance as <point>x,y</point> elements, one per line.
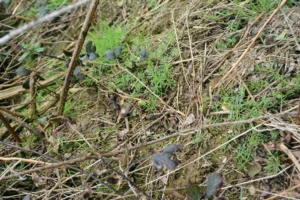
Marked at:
<point>153,70</point>
<point>246,149</point>
<point>55,4</point>
<point>30,53</point>
<point>273,163</point>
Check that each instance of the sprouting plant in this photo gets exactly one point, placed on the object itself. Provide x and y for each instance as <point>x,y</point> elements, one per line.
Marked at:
<point>148,65</point>
<point>107,38</point>
<point>246,150</point>
<point>273,163</point>
<point>55,4</point>
<point>29,51</point>
<point>90,52</point>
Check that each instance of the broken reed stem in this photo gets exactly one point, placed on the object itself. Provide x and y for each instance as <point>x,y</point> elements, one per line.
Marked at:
<point>72,65</point>
<point>235,65</point>
<point>10,129</point>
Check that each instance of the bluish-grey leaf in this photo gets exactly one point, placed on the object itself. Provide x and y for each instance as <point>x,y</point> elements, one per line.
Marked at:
<point>118,51</point>
<point>27,197</point>
<point>80,76</point>
<point>144,54</point>
<point>93,56</point>
<point>171,148</point>
<point>77,70</point>
<point>83,57</point>
<point>193,192</point>
<point>88,46</point>
<point>110,55</point>
<point>164,158</point>
<point>23,71</point>
<point>74,79</point>
<point>214,184</point>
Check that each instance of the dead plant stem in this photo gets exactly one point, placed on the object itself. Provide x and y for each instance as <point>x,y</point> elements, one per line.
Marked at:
<point>72,65</point>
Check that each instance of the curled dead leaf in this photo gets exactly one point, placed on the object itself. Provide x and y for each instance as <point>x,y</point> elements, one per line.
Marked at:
<point>125,109</point>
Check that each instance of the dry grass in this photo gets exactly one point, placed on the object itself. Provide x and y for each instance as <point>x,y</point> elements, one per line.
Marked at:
<point>94,153</point>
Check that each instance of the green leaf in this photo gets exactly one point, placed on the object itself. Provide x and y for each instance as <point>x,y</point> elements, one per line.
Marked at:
<point>23,56</point>
<point>193,192</point>
<point>39,49</point>
<point>214,184</point>
<point>281,36</point>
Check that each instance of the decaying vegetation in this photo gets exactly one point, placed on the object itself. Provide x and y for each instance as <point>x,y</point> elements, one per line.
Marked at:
<point>152,99</point>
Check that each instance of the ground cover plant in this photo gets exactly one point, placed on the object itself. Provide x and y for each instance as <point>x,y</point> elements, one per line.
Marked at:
<point>151,99</point>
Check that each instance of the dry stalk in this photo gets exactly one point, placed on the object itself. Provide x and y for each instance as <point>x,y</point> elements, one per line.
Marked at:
<point>83,33</point>
<point>4,159</point>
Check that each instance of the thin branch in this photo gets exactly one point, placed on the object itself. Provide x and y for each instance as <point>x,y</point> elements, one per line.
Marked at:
<point>41,20</point>
<point>33,91</point>
<point>24,124</point>
<point>83,33</point>
<point>4,159</point>
<point>10,129</point>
